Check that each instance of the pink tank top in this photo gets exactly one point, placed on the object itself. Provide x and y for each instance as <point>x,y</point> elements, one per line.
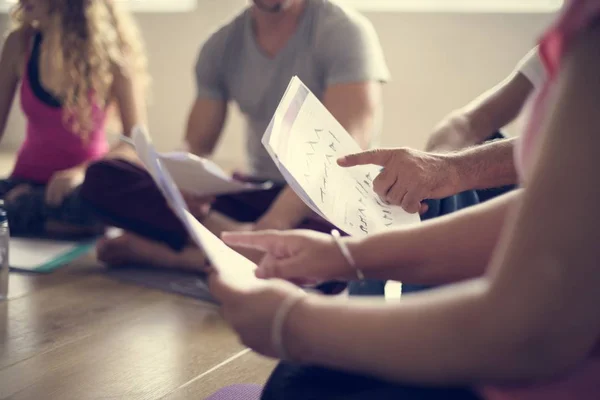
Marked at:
<point>49,145</point>
<point>583,383</point>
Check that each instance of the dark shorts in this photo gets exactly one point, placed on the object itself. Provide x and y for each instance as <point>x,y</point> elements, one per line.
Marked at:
<point>29,213</point>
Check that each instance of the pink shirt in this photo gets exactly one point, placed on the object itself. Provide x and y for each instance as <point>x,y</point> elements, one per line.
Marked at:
<point>583,383</point>
<point>49,145</point>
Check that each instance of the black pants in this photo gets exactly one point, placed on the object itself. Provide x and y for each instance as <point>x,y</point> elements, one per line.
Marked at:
<point>290,382</point>
<point>29,213</point>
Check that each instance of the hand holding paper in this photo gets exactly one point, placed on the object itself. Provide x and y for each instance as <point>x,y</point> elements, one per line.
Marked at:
<point>305,142</point>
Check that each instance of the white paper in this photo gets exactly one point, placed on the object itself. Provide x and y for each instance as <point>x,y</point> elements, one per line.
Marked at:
<point>305,140</point>
<point>289,178</point>
<point>31,254</point>
<point>231,265</point>
<point>202,177</point>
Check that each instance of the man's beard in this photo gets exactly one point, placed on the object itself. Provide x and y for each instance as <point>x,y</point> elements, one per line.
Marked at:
<point>274,9</point>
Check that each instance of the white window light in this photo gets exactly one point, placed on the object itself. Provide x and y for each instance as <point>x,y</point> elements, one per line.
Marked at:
<point>456,6</point>
<point>166,6</point>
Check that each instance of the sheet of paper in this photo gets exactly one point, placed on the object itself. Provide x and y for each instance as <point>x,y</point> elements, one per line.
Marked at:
<point>306,141</point>
<point>232,266</point>
<point>289,178</point>
<point>202,177</point>
<point>35,254</point>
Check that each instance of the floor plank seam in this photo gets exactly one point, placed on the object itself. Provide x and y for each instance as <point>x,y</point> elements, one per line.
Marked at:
<point>208,372</point>
<point>101,330</point>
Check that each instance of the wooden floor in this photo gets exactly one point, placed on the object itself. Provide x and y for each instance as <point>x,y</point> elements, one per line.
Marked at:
<point>77,334</point>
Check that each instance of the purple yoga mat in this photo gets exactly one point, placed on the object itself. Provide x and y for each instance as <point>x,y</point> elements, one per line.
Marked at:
<point>238,392</point>
<point>179,282</point>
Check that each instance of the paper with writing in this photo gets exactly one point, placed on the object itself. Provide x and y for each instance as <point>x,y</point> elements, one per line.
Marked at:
<point>289,178</point>
<point>305,140</point>
<point>232,266</point>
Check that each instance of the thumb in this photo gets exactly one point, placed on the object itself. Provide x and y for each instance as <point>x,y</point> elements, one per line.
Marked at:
<point>377,156</point>
<point>220,289</point>
<point>411,203</point>
<point>264,241</point>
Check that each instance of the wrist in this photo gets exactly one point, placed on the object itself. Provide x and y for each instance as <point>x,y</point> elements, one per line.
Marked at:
<point>359,249</point>
<point>380,255</point>
<point>453,175</point>
<point>273,222</point>
<point>282,315</point>
<point>294,330</point>
<point>459,173</point>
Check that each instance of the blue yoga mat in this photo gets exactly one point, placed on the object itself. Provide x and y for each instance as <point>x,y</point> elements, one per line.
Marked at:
<point>45,255</point>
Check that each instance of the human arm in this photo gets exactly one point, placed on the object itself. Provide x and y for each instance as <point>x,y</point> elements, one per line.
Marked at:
<point>130,103</point>
<point>204,126</point>
<point>129,99</point>
<point>487,114</point>
<point>545,265</point>
<point>410,176</point>
<point>209,111</point>
<point>500,328</point>
<point>450,165</point>
<point>463,243</point>
<point>9,77</point>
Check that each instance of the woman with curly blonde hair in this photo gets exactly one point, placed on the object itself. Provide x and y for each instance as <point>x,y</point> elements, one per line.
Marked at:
<point>72,60</point>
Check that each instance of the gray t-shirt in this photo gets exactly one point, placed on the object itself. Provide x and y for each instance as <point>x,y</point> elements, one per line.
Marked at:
<point>331,45</point>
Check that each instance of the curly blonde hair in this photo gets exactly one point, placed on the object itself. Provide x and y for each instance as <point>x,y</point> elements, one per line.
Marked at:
<point>91,40</point>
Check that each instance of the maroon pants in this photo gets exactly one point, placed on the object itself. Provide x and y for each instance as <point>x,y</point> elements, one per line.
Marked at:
<point>124,195</point>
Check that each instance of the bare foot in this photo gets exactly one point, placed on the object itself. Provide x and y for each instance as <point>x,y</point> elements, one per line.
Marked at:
<point>131,249</point>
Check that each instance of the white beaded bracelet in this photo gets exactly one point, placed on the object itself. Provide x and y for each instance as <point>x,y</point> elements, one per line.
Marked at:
<point>346,253</point>
<point>279,321</point>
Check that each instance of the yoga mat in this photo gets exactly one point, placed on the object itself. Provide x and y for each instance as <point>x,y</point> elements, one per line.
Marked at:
<point>184,283</point>
<point>44,255</point>
<point>238,392</point>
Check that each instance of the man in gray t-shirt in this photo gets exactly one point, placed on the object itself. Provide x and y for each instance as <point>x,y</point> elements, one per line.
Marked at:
<point>250,61</point>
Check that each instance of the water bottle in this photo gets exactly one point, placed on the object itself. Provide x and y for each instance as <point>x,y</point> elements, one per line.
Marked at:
<point>4,244</point>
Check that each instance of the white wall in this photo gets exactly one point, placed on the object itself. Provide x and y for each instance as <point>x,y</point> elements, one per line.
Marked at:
<point>438,62</point>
